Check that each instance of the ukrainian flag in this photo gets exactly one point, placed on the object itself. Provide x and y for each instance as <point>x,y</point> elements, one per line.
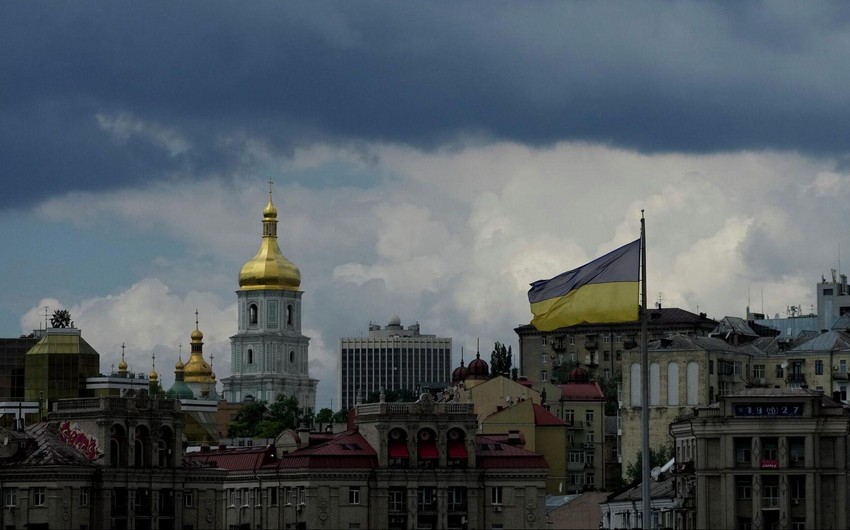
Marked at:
<point>602,291</point>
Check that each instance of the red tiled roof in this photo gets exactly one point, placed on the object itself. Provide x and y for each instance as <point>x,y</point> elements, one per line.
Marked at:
<point>491,453</point>
<point>543,417</point>
<point>345,450</point>
<point>581,392</point>
<point>236,459</point>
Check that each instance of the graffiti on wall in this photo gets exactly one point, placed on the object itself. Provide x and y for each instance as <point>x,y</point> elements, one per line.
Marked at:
<point>71,434</point>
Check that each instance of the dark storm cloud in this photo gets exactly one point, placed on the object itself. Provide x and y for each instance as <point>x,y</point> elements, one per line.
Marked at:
<point>655,77</point>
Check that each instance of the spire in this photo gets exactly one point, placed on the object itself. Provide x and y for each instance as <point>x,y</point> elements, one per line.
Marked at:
<point>153,376</point>
<point>196,369</point>
<point>122,366</point>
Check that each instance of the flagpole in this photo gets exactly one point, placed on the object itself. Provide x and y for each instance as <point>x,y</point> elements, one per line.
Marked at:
<point>644,384</point>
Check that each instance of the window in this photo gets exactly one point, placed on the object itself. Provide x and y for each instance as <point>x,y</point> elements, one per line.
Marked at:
<point>39,496</point>
<point>619,355</point>
<point>842,366</point>
<point>606,373</point>
<point>10,497</point>
<point>543,340</point>
<point>250,356</point>
<point>780,372</point>
<point>302,495</point>
<point>770,492</point>
<point>396,500</point>
<point>572,340</point>
<point>588,416</point>
<point>606,339</point>
<point>743,448</point>
<point>544,375</point>
<point>606,355</point>
<point>710,367</point>
<point>618,337</point>
<point>353,495</point>
<point>188,499</point>
<point>569,416</point>
<point>588,459</point>
<point>252,314</point>
<point>84,496</point>
<point>590,478</point>
<point>496,495</point>
<point>427,499</point>
<point>798,488</point>
<point>545,357</point>
<point>758,371</point>
<point>736,368</point>
<point>273,500</point>
<point>456,497</point>
<point>819,367</point>
<point>743,487</point>
<point>576,457</point>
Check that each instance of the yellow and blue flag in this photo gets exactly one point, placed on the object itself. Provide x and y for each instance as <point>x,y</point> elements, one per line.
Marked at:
<point>602,291</point>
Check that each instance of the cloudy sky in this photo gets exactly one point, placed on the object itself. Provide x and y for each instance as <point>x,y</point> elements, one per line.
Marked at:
<point>429,160</point>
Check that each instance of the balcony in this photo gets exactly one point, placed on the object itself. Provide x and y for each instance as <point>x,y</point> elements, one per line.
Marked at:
<point>769,464</point>
<point>558,344</point>
<point>576,425</point>
<point>770,502</point>
<point>796,379</point>
<point>839,375</point>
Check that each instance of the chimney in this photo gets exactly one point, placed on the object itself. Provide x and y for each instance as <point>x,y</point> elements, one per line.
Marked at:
<point>514,438</point>
<point>303,437</point>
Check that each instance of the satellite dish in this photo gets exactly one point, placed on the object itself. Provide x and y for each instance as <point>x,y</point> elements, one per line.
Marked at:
<point>6,441</point>
<point>656,471</point>
<point>784,365</point>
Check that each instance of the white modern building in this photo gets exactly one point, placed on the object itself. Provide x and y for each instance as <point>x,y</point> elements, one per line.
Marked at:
<point>269,353</point>
<point>392,358</point>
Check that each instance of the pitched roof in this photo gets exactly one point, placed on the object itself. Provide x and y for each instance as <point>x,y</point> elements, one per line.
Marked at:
<point>544,418</point>
<point>829,341</point>
<point>491,453</point>
<point>581,392</point>
<point>235,458</point>
<point>346,450</point>
<point>46,448</point>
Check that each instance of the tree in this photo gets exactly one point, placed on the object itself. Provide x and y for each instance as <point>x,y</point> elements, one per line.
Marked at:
<point>657,458</point>
<point>500,360</point>
<point>249,417</point>
<point>259,420</point>
<point>324,416</point>
<point>341,416</point>
<point>610,388</point>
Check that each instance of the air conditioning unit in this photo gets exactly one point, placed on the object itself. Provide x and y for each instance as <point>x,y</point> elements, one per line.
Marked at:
<point>497,509</point>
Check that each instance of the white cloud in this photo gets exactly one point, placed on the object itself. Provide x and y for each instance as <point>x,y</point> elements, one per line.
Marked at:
<point>453,238</point>
<point>124,125</point>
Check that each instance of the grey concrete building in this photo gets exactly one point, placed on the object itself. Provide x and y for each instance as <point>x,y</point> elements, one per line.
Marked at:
<point>763,458</point>
<point>392,358</point>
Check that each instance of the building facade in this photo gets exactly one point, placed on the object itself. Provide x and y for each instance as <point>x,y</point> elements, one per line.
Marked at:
<point>392,358</point>
<point>269,354</point>
<point>400,466</point>
<point>763,458</point>
<point>599,348</point>
<point>108,462</point>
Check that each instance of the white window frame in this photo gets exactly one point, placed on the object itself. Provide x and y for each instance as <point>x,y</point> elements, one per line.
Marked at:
<point>84,495</point>
<point>497,496</point>
<point>39,496</point>
<point>10,497</point>
<point>354,495</point>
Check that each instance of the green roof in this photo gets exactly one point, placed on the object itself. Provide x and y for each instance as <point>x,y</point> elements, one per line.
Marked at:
<point>62,343</point>
<point>180,390</point>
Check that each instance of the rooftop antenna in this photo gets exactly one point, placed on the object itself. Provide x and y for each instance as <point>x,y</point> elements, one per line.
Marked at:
<point>46,313</point>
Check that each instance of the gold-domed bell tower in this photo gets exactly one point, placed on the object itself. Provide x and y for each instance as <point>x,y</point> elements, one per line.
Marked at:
<point>269,352</point>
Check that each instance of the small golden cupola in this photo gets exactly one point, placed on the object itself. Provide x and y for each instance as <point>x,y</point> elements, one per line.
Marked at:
<point>269,269</point>
<point>122,364</point>
<point>197,370</point>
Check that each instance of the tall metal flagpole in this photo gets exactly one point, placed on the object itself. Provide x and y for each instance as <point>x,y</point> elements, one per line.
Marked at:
<point>644,383</point>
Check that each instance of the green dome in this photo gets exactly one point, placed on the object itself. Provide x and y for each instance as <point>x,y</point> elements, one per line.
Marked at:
<point>180,390</point>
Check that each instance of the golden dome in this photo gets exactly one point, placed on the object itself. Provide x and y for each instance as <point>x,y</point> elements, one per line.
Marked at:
<point>122,365</point>
<point>153,376</point>
<point>196,369</point>
<point>179,366</point>
<point>269,269</point>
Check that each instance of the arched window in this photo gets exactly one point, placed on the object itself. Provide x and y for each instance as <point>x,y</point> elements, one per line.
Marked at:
<point>252,314</point>
<point>635,384</point>
<point>654,384</point>
<point>118,447</point>
<point>142,446</point>
<point>456,454</point>
<point>289,314</point>
<point>398,454</point>
<point>692,382</point>
<point>250,356</point>
<point>672,383</point>
<point>429,456</point>
<point>292,357</point>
